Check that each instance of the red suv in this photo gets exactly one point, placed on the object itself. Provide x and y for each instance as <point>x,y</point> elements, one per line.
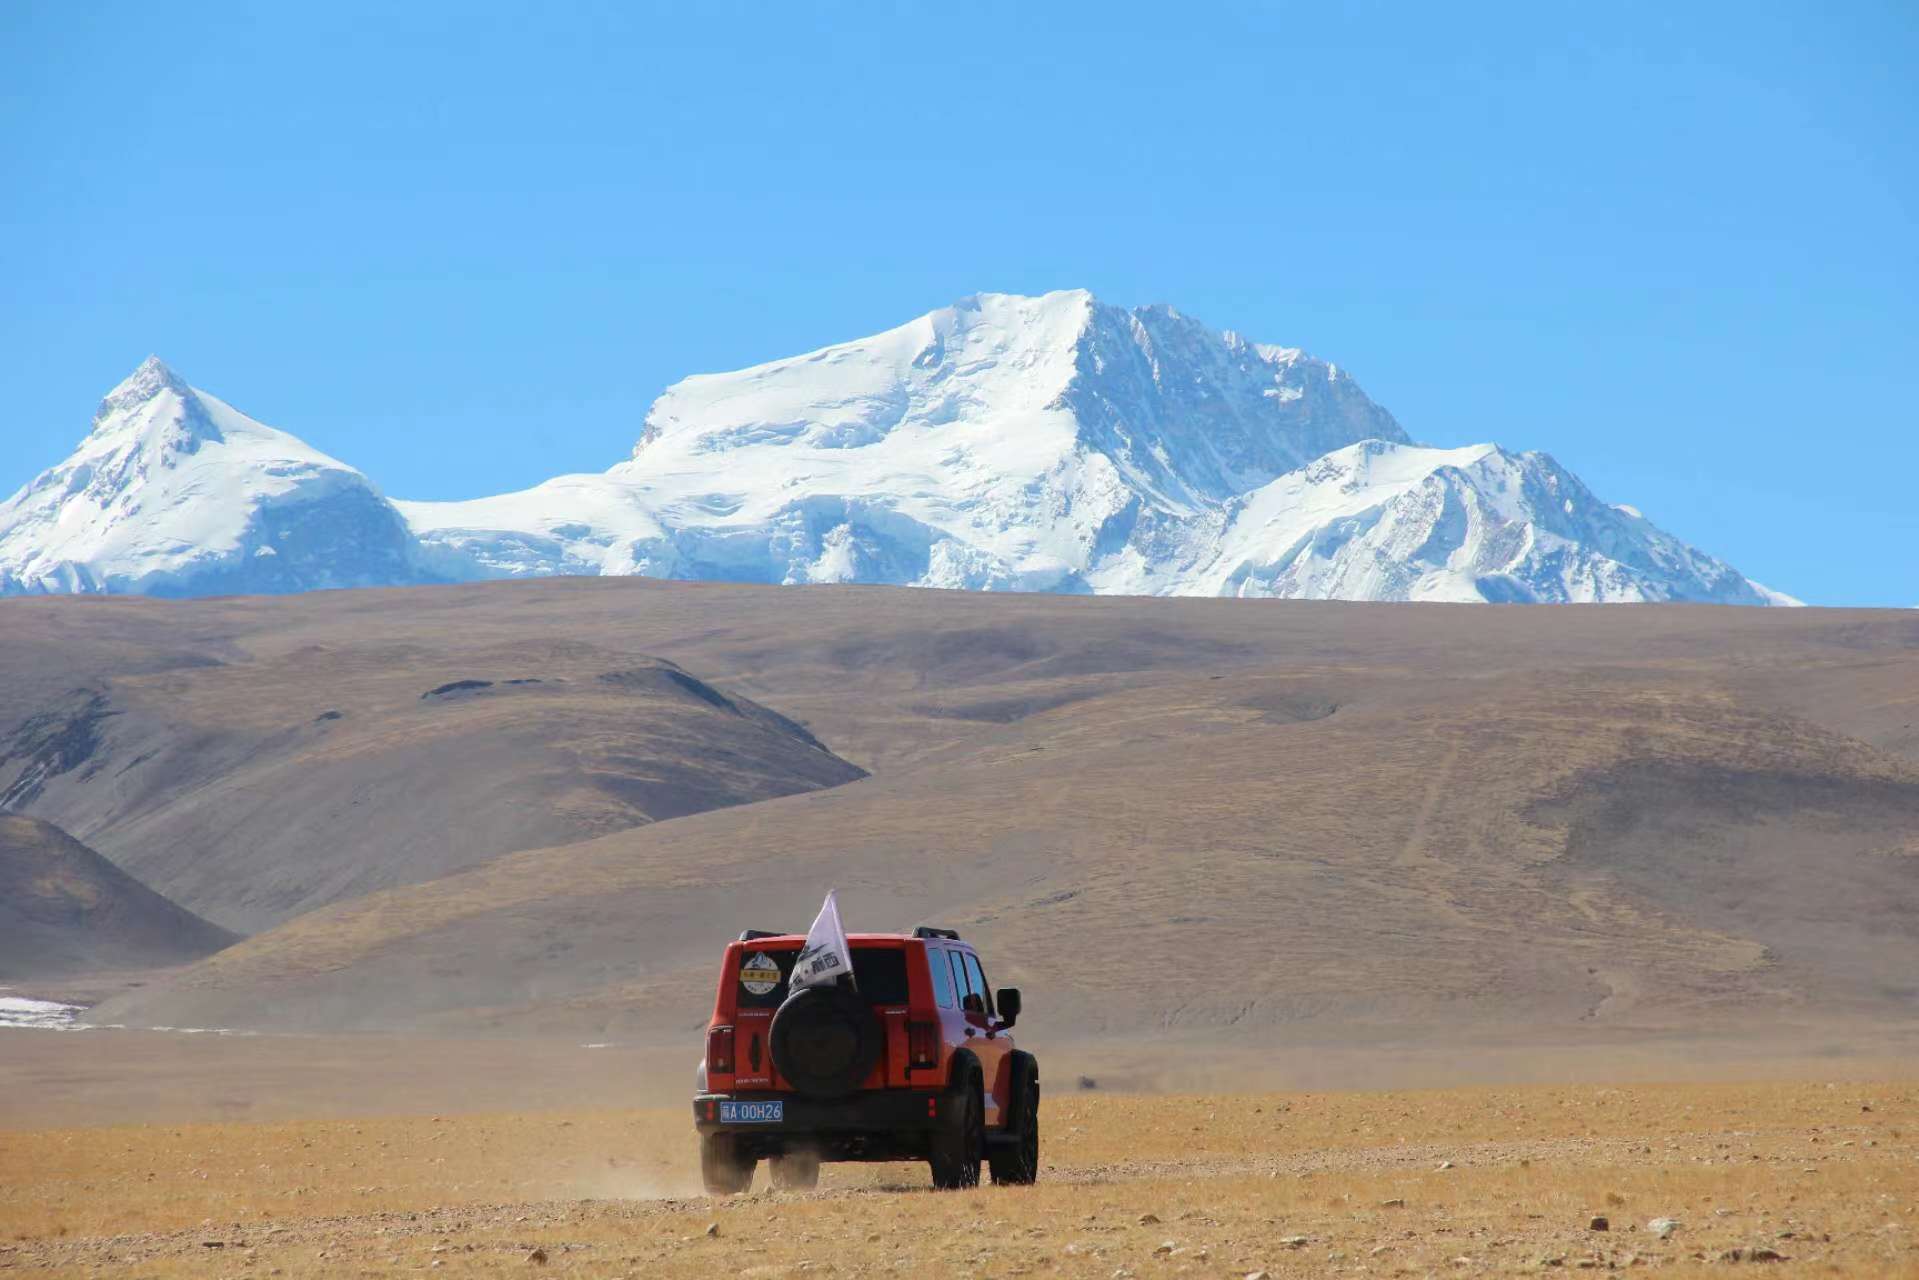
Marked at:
<point>911,1060</point>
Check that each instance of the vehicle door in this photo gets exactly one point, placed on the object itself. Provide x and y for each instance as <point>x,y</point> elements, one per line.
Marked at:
<point>991,1045</point>
<point>949,1022</point>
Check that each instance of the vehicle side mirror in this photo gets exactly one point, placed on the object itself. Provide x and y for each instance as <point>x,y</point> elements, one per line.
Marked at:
<point>1007,998</point>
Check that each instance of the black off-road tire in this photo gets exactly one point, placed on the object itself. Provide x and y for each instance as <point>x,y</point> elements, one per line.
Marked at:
<point>959,1145</point>
<point>1016,1164</point>
<point>722,1168</point>
<point>794,1171</point>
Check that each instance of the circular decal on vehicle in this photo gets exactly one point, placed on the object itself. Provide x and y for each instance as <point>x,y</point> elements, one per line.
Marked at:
<point>759,974</point>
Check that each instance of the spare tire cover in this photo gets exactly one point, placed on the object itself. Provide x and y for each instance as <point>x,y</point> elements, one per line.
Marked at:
<point>825,1040</point>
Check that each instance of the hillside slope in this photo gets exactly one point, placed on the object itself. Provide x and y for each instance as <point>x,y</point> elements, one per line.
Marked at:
<point>65,910</point>
<point>253,780</point>
<point>1274,817</point>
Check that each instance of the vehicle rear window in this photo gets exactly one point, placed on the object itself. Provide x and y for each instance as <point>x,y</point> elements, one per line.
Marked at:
<point>881,975</point>
<point>764,972</point>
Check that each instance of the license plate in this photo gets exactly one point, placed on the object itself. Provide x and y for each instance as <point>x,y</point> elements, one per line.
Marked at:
<point>752,1112</point>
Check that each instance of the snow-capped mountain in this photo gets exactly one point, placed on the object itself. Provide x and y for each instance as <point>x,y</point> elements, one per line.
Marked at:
<point>1000,444</point>
<point>176,493</point>
<point>1381,521</point>
<point>1004,443</point>
<point>1061,444</point>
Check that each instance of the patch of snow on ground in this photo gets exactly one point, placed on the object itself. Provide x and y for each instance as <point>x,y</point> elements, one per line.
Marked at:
<point>49,1015</point>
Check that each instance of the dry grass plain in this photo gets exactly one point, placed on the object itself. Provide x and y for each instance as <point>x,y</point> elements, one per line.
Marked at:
<point>1452,1182</point>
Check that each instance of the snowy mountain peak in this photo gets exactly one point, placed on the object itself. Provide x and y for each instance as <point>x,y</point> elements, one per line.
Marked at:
<point>152,410</point>
<point>1385,521</point>
<point>174,492</point>
<point>1014,351</point>
<point>1171,406</point>
<point>149,380</point>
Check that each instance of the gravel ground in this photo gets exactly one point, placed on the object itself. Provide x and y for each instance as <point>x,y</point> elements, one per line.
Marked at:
<point>1794,1179</point>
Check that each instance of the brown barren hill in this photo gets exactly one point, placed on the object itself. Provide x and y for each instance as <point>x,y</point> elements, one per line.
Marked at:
<point>1274,820</point>
<point>66,910</point>
<point>252,771</point>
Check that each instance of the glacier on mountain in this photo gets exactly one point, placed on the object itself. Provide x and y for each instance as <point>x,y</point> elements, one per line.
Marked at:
<point>1050,443</point>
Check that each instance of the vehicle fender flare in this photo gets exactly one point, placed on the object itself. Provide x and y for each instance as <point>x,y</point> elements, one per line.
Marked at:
<point>964,1063</point>
<point>1024,1067</point>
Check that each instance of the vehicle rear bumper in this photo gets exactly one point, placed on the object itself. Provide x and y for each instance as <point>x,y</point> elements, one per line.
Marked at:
<point>875,1111</point>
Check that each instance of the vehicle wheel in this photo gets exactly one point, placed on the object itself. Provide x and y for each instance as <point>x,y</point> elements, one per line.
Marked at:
<point>1018,1165</point>
<point>825,1040</point>
<point>722,1168</point>
<point>795,1171</point>
<point>956,1148</point>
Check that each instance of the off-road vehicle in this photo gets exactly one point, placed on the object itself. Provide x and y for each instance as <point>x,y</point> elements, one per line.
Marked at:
<point>911,1060</point>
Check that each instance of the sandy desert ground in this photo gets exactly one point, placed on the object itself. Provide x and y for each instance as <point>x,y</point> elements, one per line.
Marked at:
<point>1818,1177</point>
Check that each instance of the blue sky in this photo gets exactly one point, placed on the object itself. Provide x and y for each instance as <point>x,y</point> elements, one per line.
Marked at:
<point>463,246</point>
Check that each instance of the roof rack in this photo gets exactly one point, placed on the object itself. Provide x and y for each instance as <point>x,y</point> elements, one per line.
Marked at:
<point>928,931</point>
<point>754,935</point>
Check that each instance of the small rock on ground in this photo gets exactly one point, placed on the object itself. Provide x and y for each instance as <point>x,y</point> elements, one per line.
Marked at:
<point>1757,1253</point>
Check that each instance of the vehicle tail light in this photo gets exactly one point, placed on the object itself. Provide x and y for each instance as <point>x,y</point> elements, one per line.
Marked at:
<point>923,1044</point>
<point>719,1050</point>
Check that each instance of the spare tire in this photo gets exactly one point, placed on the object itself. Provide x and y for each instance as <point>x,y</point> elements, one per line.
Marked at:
<point>825,1040</point>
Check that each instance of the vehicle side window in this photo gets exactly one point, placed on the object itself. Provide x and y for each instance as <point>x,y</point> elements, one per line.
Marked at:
<point>976,984</point>
<point>959,976</point>
<point>942,972</point>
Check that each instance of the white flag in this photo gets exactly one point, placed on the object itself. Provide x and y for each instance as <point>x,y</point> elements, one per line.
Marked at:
<point>825,957</point>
